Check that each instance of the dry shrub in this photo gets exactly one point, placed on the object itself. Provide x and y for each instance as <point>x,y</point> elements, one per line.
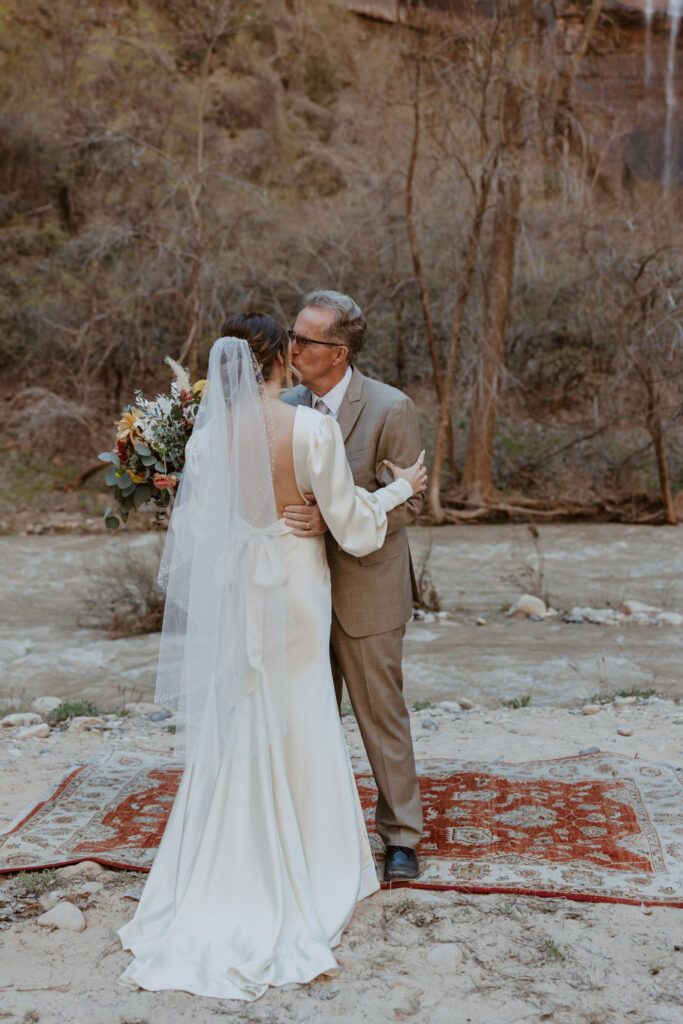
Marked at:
<point>123,595</point>
<point>46,421</point>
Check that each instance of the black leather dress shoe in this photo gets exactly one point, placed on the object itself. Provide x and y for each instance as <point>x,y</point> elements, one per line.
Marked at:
<point>401,863</point>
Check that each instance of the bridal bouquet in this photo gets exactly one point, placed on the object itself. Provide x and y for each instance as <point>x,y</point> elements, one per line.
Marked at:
<point>149,452</point>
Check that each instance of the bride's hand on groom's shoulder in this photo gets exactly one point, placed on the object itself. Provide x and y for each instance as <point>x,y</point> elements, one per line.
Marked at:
<point>416,475</point>
<point>305,520</point>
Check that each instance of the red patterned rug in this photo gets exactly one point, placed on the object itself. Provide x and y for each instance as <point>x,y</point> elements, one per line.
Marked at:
<point>598,827</point>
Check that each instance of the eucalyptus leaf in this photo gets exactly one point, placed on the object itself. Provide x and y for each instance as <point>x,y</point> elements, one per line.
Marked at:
<point>111,522</point>
<point>107,456</point>
<point>126,503</point>
<point>112,477</point>
<point>160,467</point>
<point>142,449</point>
<point>148,460</point>
<point>141,495</point>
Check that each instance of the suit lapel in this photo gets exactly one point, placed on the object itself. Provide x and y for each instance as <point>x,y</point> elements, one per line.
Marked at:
<point>353,404</point>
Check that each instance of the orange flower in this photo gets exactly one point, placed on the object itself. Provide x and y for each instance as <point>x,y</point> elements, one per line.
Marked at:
<point>198,387</point>
<point>128,425</point>
<point>137,478</point>
<point>164,483</point>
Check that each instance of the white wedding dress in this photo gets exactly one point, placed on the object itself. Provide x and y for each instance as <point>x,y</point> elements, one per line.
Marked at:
<point>264,858</point>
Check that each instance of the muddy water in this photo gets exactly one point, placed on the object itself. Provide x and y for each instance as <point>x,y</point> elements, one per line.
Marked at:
<point>477,572</point>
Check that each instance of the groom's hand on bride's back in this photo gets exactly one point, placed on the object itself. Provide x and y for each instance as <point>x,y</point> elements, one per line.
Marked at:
<point>305,520</point>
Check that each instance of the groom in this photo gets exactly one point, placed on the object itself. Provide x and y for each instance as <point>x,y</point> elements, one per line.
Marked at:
<point>372,596</point>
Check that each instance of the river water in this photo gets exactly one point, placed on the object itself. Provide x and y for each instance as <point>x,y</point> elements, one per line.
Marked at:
<point>478,571</point>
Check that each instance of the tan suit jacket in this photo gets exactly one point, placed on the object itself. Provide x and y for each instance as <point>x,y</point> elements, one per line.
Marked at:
<point>375,593</point>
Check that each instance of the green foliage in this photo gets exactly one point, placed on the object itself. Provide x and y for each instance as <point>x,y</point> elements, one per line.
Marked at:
<point>517,702</point>
<point>73,709</point>
<point>552,949</point>
<point>37,881</point>
<point>420,705</point>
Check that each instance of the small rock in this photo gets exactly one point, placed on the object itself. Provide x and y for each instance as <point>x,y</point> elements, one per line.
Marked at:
<point>442,615</point>
<point>48,900</point>
<point>591,709</point>
<point>445,957</point>
<point>622,701</point>
<point>46,705</point>
<point>20,718</point>
<point>131,894</point>
<point>574,619</point>
<point>528,605</point>
<point>63,915</point>
<point>87,888</point>
<point>34,732</point>
<point>481,622</point>
<point>637,608</point>
<point>84,722</point>
<point>625,732</point>
<point>536,618</point>
<point>159,716</point>
<point>141,709</point>
<point>404,1000</point>
<point>590,750</point>
<point>429,723</point>
<point>669,619</point>
<point>465,703</point>
<point>88,868</point>
<point>449,705</point>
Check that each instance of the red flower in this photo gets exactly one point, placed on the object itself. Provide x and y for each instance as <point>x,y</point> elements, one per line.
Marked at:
<point>164,483</point>
<point>121,450</point>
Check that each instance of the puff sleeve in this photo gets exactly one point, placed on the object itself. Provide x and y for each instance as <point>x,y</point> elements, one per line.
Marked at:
<point>356,518</point>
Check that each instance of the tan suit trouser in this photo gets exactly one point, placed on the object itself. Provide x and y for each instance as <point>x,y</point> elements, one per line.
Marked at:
<point>371,668</point>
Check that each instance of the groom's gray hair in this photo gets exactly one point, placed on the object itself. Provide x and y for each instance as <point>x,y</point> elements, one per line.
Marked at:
<point>348,325</point>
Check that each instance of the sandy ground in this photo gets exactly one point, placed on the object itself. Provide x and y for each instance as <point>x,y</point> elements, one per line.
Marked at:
<point>413,955</point>
<point>407,955</point>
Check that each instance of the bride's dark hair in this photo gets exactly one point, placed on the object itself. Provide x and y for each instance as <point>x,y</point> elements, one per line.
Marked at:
<point>265,336</point>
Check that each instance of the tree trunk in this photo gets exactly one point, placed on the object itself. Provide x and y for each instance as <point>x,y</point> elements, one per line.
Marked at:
<point>477,483</point>
<point>420,276</point>
<point>654,426</point>
<point>434,490</point>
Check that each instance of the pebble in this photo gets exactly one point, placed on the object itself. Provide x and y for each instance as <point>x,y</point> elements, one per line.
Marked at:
<point>625,732</point>
<point>34,732</point>
<point>450,705</point>
<point>141,709</point>
<point>591,709</point>
<point>84,867</point>
<point>590,750</point>
<point>574,619</point>
<point>481,622</point>
<point>46,705</point>
<point>465,703</point>
<point>63,915</point>
<point>84,722</point>
<point>445,957</point>
<point>528,605</point>
<point>429,723</point>
<point>20,718</point>
<point>622,701</point>
<point>159,716</point>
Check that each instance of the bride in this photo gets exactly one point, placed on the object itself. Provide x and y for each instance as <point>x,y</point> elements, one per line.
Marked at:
<point>265,853</point>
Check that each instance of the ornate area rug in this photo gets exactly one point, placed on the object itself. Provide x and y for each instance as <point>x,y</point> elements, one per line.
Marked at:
<point>598,827</point>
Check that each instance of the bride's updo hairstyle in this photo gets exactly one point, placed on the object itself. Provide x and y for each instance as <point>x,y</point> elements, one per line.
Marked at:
<point>265,337</point>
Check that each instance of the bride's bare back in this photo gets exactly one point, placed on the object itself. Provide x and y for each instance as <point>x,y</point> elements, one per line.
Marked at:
<point>284,481</point>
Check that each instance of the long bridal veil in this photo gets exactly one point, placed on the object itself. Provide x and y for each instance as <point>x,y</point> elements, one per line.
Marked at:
<point>223,634</point>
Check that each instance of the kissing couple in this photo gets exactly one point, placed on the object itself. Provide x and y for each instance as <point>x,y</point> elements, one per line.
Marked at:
<point>287,572</point>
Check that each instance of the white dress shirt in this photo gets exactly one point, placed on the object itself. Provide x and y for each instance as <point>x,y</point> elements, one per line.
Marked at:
<point>334,398</point>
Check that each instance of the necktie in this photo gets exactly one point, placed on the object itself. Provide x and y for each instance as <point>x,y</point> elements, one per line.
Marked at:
<point>321,407</point>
